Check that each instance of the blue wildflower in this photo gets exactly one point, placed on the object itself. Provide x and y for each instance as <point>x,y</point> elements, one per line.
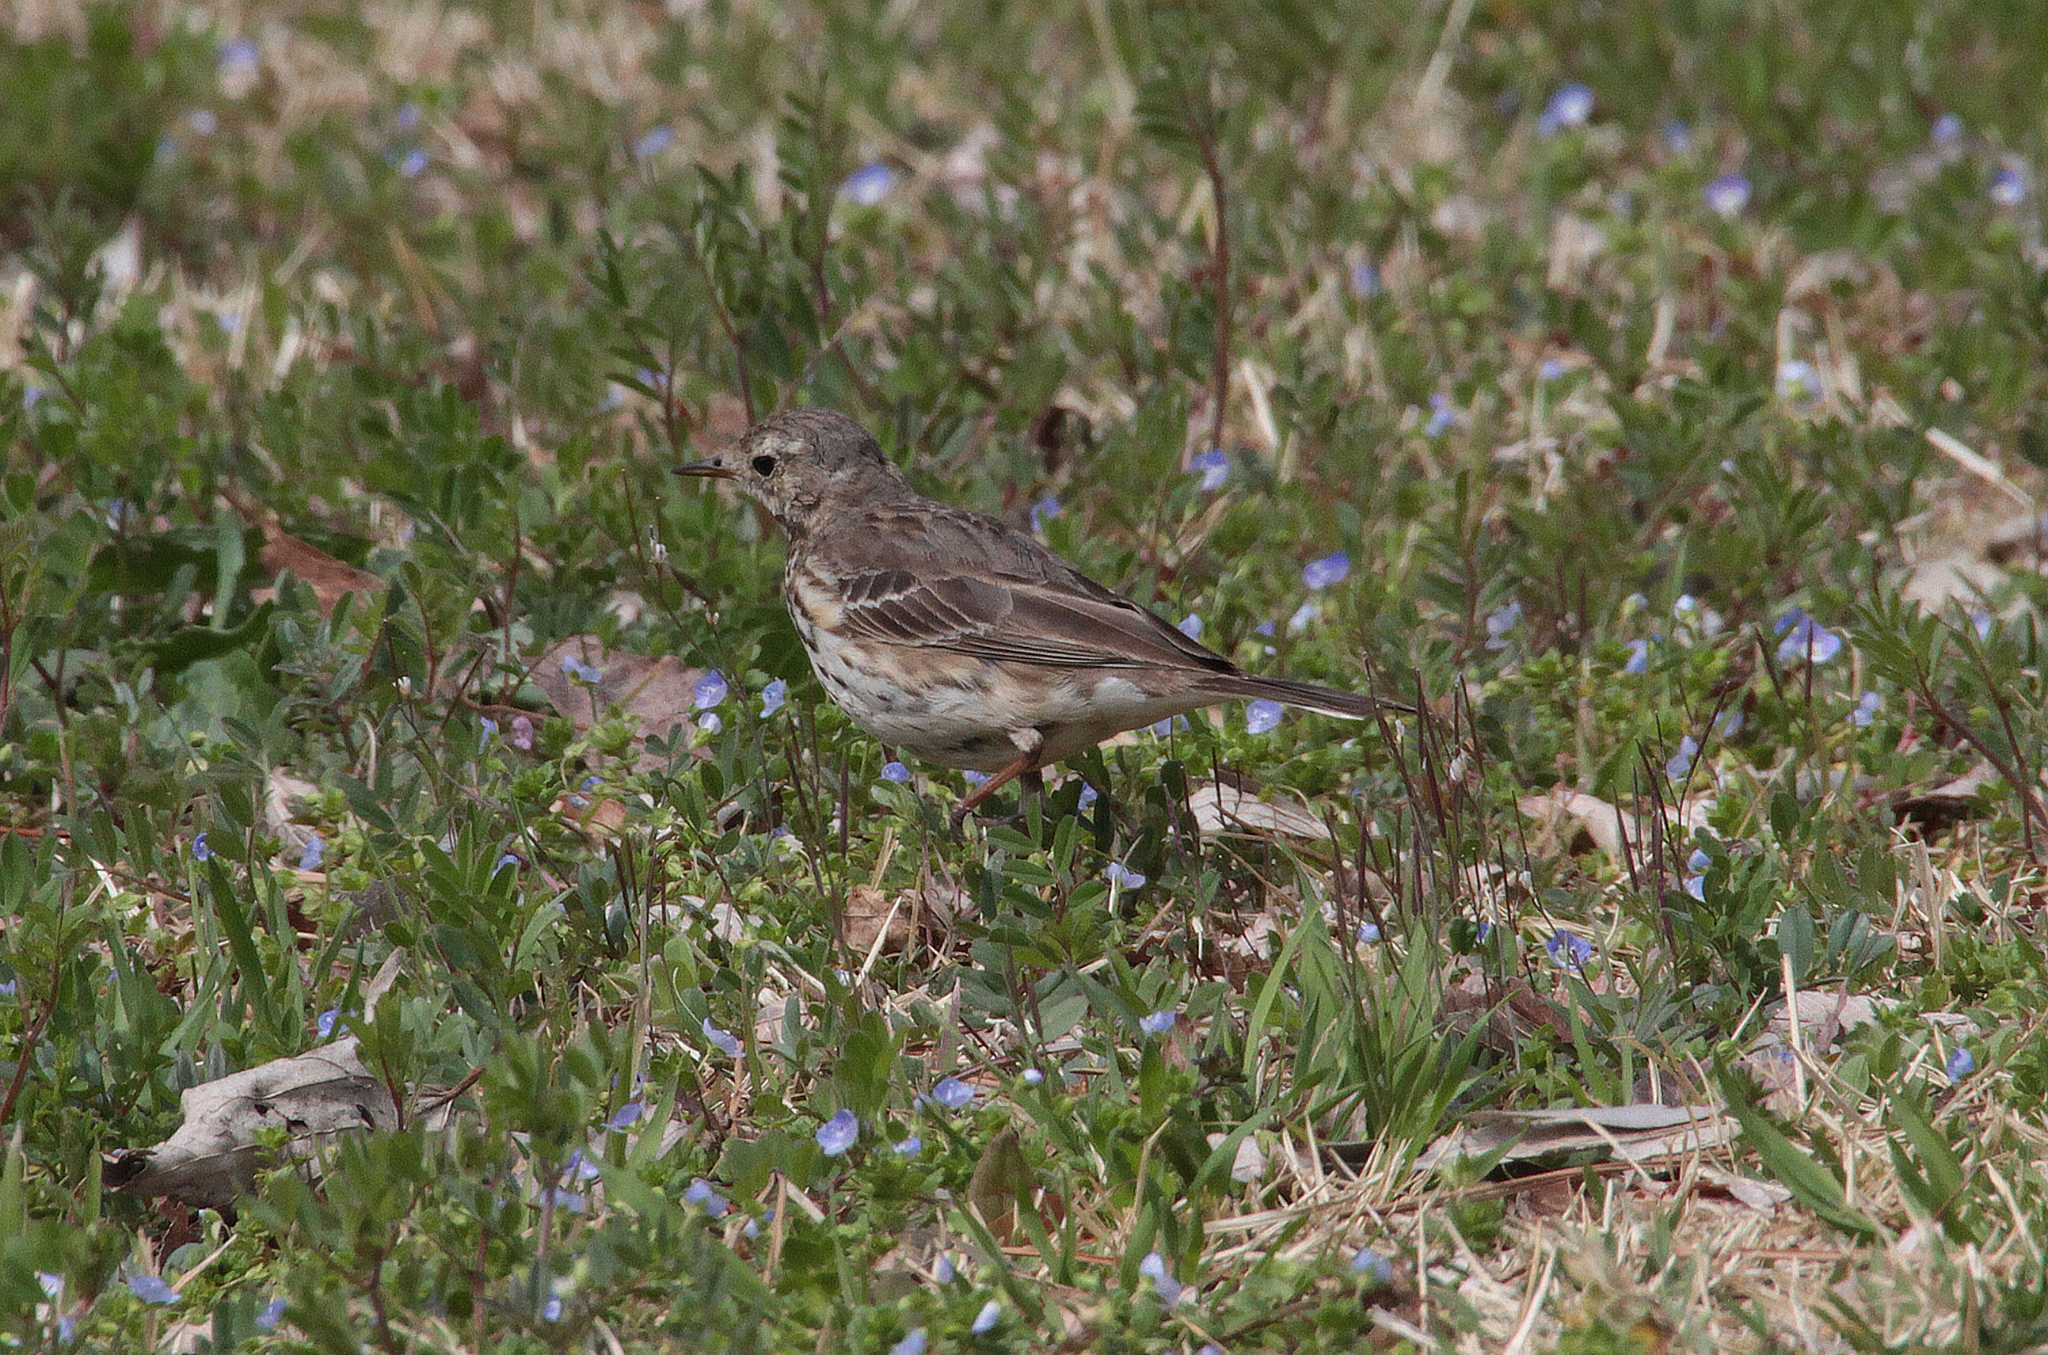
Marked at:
<point>503,861</point>
<point>706,1197</point>
<point>151,1288</point>
<point>1191,625</point>
<point>653,142</point>
<point>773,697</point>
<point>1728,195</point>
<point>1154,1268</point>
<point>408,117</point>
<point>1499,624</point>
<point>1365,280</point>
<point>974,778</point>
<point>314,852</point>
<point>272,1314</point>
<point>329,1023</point>
<point>1804,637</point>
<point>1569,948</point>
<point>838,1134</point>
<point>1569,107</point>
<point>1368,933</point>
<point>1442,414</point>
<point>1678,137</point>
<point>1681,761</point>
<point>1089,795</point>
<point>1044,511</point>
<point>551,1311</point>
<point>912,1344</point>
<point>1121,876</point>
<point>1947,130</point>
<point>1159,1022</point>
<point>909,1147</point>
<point>2008,187</point>
<point>628,1115</point>
<point>953,1094</point>
<point>711,690</point>
<point>1961,1064</point>
<point>1262,716</point>
<point>724,1041</point>
<point>1699,863</point>
<point>1304,616</point>
<point>1696,886</point>
<point>1033,1077</point>
<point>200,851</point>
<point>1329,570</point>
<point>1638,657</point>
<point>1214,468</point>
<point>1799,382</point>
<point>897,772</point>
<point>985,1320</point>
<point>413,163</point>
<point>1372,1266</point>
<point>579,671</point>
<point>868,185</point>
<point>1867,707</point>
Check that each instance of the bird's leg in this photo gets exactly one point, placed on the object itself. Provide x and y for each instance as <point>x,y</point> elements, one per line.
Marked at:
<point>1027,765</point>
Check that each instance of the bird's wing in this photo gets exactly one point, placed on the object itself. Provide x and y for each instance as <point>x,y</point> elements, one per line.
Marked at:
<point>961,582</point>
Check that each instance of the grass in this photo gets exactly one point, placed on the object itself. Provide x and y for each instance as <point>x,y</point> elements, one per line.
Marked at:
<point>1682,450</point>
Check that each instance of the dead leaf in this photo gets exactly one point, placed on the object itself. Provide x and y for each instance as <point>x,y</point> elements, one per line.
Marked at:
<point>598,819</point>
<point>1633,1133</point>
<point>1513,1010</point>
<point>280,792</point>
<point>212,1158</point>
<point>1762,1196</point>
<point>1228,810</point>
<point>656,692</point>
<point>871,917</point>
<point>329,578</point>
<point>1001,1184</point>
<point>1825,1017</point>
<point>1583,814</point>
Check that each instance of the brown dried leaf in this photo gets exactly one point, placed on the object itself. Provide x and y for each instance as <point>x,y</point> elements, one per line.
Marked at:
<point>656,692</point>
<point>1632,1133</point>
<point>870,917</point>
<point>1223,809</point>
<point>329,578</point>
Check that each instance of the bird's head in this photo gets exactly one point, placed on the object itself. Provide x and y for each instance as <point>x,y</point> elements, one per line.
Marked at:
<point>802,461</point>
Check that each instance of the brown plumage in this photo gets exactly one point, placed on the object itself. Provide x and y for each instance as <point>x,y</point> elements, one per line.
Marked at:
<point>955,636</point>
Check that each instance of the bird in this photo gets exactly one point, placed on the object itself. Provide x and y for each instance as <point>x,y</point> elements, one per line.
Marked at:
<point>952,635</point>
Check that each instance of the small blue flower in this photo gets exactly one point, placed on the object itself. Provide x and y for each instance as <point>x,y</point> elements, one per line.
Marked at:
<point>724,1041</point>
<point>1980,621</point>
<point>1730,724</point>
<point>1121,876</point>
<point>953,1094</point>
<point>1867,707</point>
<point>408,117</point>
<point>579,671</point>
<point>1551,370</point>
<point>1638,657</point>
<point>204,122</point>
<point>313,853</point>
<point>1804,637</point>
<point>1033,1077</point>
<point>909,1147</point>
<point>551,1311</point>
<point>913,1344</point>
<point>1368,933</point>
<point>1154,1268</point>
<point>897,772</point>
<point>1799,382</point>
<point>974,778</point>
<point>413,163</point>
<point>1327,571</point>
<point>1569,948</point>
<point>868,185</point>
<point>1501,623</point>
<point>1372,1266</point>
<point>838,1134</point>
<point>1262,716</point>
<point>1680,764</point>
<point>711,690</point>
<point>1304,616</point>
<point>2008,187</point>
<point>568,1201</point>
<point>1365,280</point>
<point>1678,137</point>
<point>1442,414</point>
<point>9,987</point>
<point>581,1167</point>
<point>773,697</point>
<point>1570,107</point>
<point>1044,511</point>
<point>1214,467</point>
<point>1191,625</point>
<point>985,1320</point>
<point>200,851</point>
<point>1168,726</point>
<point>239,54</point>
<point>653,142</point>
<point>1961,1064</point>
<point>151,1288</point>
<point>1159,1022</point>
<point>1089,795</point>
<point>1728,195</point>
<point>628,1115</point>
<point>506,860</point>
<point>942,1269</point>
<point>706,1197</point>
<point>329,1023</point>
<point>487,729</point>
<point>1485,931</point>
<point>1696,886</point>
<point>1699,863</point>
<point>1947,130</point>
<point>272,1314</point>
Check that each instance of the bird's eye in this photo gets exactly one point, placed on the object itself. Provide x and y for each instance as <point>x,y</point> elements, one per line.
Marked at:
<point>764,466</point>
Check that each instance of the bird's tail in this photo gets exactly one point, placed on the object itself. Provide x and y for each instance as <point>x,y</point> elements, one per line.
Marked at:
<point>1306,695</point>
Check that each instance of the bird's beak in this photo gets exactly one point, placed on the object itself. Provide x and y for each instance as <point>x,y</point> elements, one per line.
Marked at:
<point>713,469</point>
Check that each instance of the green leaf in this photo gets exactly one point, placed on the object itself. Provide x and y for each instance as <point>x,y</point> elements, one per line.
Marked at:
<point>1796,940</point>
<point>1812,1184</point>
